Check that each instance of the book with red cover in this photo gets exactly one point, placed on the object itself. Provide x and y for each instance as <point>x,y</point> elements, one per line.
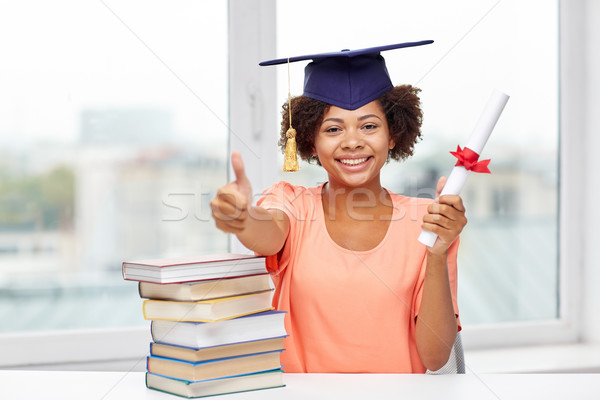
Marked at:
<point>194,268</point>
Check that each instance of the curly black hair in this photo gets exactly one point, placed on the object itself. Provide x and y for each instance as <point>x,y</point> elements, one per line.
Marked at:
<point>402,108</point>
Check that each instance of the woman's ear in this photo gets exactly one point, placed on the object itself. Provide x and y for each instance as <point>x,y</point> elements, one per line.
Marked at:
<point>392,144</point>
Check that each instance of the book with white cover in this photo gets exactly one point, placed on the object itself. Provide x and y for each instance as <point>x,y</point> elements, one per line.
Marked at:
<point>206,289</point>
<point>258,326</point>
<point>195,268</point>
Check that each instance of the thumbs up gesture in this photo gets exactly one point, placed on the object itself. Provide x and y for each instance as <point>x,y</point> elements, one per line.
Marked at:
<point>231,203</point>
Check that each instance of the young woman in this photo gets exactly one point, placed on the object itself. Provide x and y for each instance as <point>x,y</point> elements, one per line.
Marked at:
<point>362,294</point>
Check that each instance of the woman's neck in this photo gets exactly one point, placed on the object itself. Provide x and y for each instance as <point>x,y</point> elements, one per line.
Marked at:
<point>357,218</point>
<point>362,202</point>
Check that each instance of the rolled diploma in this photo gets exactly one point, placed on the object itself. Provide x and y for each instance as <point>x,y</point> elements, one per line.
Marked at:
<point>477,140</point>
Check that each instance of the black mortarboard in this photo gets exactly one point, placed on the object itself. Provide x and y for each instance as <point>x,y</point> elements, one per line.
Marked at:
<point>349,78</point>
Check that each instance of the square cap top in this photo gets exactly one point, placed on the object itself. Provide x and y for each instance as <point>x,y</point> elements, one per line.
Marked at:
<point>347,79</point>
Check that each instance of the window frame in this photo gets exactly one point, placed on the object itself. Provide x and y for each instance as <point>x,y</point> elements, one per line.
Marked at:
<point>254,39</point>
<point>571,183</point>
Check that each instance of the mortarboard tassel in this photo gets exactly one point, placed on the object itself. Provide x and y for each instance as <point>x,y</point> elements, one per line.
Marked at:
<point>290,160</point>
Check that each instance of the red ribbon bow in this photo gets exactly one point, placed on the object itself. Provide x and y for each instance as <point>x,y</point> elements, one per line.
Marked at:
<point>468,158</point>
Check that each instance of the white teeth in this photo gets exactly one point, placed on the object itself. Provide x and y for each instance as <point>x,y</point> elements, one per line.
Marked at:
<point>353,161</point>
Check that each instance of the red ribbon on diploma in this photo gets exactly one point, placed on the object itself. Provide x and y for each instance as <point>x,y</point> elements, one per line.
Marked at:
<point>469,159</point>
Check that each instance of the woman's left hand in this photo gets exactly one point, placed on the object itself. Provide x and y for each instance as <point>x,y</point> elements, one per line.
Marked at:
<point>446,218</point>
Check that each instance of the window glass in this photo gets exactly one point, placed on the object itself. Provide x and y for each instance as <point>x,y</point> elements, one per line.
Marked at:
<point>112,138</point>
<point>508,258</point>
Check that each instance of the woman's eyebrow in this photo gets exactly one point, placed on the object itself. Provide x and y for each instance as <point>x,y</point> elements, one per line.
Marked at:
<point>332,119</point>
<point>361,118</point>
<point>367,116</point>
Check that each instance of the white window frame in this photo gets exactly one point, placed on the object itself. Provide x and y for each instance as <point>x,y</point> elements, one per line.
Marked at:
<point>252,93</point>
<point>252,98</point>
<point>567,327</point>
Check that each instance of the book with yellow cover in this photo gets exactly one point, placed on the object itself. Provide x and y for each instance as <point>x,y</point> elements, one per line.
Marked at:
<point>207,310</point>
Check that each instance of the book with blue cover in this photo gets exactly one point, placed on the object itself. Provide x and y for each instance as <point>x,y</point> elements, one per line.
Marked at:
<point>211,369</point>
<point>216,352</point>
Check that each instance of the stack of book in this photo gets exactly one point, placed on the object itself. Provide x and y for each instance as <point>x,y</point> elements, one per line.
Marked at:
<point>213,328</point>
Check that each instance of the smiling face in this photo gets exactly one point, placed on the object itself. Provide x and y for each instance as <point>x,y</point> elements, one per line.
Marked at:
<point>353,145</point>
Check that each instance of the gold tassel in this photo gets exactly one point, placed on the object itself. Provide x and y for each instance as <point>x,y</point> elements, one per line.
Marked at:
<point>290,160</point>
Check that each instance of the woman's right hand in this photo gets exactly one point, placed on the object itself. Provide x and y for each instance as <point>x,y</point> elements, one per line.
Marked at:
<point>232,201</point>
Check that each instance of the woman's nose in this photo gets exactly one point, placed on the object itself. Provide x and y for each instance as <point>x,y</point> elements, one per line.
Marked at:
<point>352,139</point>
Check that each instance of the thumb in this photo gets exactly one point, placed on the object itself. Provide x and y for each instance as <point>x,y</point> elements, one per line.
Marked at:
<point>240,173</point>
<point>440,186</point>
<point>238,166</point>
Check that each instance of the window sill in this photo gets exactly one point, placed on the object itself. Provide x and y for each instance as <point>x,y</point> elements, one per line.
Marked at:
<point>566,358</point>
<point>29,349</point>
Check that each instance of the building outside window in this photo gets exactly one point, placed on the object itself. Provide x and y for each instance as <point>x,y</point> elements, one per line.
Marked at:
<point>113,136</point>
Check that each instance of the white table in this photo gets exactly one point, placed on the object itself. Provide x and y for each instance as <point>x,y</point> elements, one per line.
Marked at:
<point>121,385</point>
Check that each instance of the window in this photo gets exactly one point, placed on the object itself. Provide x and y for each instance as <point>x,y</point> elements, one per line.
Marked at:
<point>113,137</point>
<point>508,263</point>
<point>75,84</point>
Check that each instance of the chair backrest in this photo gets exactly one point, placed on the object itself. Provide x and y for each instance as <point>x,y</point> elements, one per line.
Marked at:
<point>456,361</point>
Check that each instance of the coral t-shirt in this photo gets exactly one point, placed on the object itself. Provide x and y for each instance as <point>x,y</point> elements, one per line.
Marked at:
<point>349,311</point>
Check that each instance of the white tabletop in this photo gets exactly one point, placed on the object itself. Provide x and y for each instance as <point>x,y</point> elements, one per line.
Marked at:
<point>122,385</point>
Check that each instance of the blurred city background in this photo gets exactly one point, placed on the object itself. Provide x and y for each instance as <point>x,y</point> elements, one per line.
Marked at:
<point>113,140</point>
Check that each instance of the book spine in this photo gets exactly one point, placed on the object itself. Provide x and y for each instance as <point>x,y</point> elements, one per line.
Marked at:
<point>144,309</point>
<point>152,332</point>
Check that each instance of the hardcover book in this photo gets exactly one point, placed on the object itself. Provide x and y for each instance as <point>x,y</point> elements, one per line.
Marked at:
<point>215,352</point>
<point>205,334</point>
<point>196,268</point>
<point>207,289</point>
<point>213,369</point>
<point>207,310</point>
<point>212,387</point>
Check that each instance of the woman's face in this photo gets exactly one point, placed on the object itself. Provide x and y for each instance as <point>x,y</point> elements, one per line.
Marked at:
<point>353,145</point>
